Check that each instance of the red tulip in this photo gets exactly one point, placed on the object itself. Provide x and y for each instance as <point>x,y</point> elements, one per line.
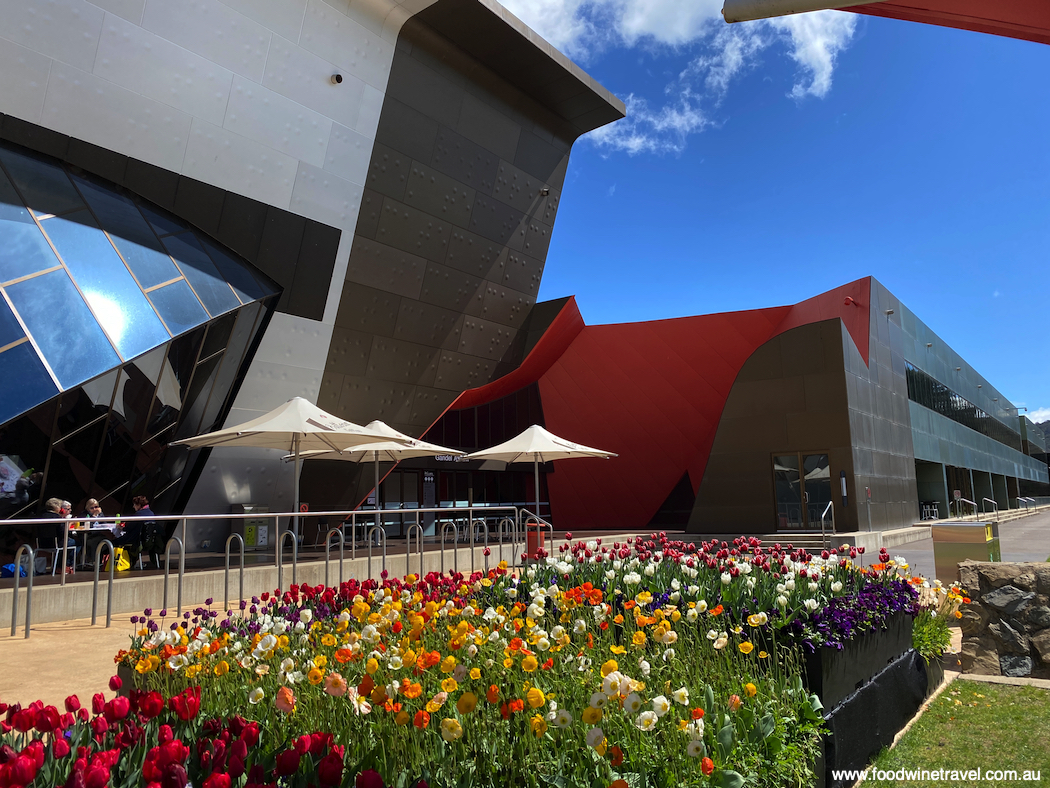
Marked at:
<point>218,780</point>
<point>115,683</point>
<point>72,704</point>
<point>151,704</point>
<point>369,779</point>
<point>59,748</point>
<point>330,769</point>
<point>186,704</point>
<point>288,763</point>
<point>117,709</point>
<point>98,702</point>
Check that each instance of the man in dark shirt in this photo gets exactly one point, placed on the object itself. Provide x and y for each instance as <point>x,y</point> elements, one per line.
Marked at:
<point>142,535</point>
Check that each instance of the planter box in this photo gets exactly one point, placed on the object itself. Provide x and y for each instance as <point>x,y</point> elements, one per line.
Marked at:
<point>834,675</point>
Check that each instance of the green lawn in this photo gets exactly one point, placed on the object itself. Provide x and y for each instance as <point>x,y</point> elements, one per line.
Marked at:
<point>976,726</point>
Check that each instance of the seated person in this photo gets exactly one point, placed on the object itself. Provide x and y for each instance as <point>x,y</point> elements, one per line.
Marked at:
<point>139,535</point>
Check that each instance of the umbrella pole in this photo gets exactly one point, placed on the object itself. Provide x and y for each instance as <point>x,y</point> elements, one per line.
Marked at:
<point>375,455</point>
<point>295,517</point>
<point>536,481</point>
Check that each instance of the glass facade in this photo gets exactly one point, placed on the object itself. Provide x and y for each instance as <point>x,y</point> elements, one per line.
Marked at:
<point>931,393</point>
<point>121,328</point>
<point>472,429</point>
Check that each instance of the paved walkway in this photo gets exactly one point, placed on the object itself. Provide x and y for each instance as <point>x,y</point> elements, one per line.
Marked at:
<point>73,657</point>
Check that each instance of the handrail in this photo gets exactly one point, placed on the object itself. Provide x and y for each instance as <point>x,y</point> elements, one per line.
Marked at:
<point>280,558</point>
<point>65,552</point>
<point>109,584</point>
<point>995,506</point>
<point>455,542</point>
<point>958,506</point>
<point>529,517</point>
<point>328,552</point>
<point>167,569</point>
<point>226,579</point>
<point>419,547</point>
<point>823,533</point>
<point>473,526</point>
<point>29,588</point>
<point>379,532</point>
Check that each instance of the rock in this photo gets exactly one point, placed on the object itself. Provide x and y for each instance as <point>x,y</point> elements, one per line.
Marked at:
<point>974,620</point>
<point>1026,581</point>
<point>1037,617</point>
<point>1008,599</point>
<point>995,575</point>
<point>1041,643</point>
<point>968,579</point>
<point>1010,640</point>
<point>1015,666</point>
<point>979,656</point>
<point>1042,578</point>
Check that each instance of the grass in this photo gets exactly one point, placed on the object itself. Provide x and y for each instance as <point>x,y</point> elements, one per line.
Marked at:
<point>976,726</point>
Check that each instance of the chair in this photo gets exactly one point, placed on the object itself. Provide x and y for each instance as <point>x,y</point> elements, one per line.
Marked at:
<point>54,550</point>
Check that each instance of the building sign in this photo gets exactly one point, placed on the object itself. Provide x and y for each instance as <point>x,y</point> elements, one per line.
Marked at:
<point>450,458</point>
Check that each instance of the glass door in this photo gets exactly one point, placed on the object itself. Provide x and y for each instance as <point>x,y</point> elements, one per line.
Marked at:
<point>802,485</point>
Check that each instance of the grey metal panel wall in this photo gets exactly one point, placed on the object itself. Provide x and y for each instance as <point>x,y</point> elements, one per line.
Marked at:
<point>939,439</point>
<point>452,238</point>
<point>880,421</point>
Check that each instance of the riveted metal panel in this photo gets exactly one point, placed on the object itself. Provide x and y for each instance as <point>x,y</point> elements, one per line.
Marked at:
<point>466,161</point>
<point>407,130</point>
<point>371,210</point>
<point>388,171</point>
<point>506,306</point>
<point>538,155</point>
<point>364,399</point>
<point>537,239</point>
<point>383,267</point>
<point>486,338</point>
<point>453,289</point>
<point>519,272</point>
<point>457,371</point>
<point>439,195</point>
<point>367,309</point>
<point>402,362</point>
<point>519,189</point>
<point>348,353</point>
<point>484,124</point>
<point>425,91</point>
<point>499,222</point>
<point>330,391</point>
<point>428,324</point>
<point>413,231</point>
<point>475,254</point>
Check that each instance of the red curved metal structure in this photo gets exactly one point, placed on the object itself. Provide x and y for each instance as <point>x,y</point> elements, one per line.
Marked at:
<point>1028,20</point>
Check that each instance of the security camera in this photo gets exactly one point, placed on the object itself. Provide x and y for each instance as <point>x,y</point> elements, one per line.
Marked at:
<point>544,191</point>
<point>337,79</point>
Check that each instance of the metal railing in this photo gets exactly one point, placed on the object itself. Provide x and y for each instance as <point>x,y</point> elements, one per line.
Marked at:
<point>418,529</point>
<point>380,534</point>
<point>167,569</point>
<point>109,583</point>
<point>29,588</point>
<point>823,524</point>
<point>494,527</point>
<point>958,506</point>
<point>530,519</point>
<point>226,577</point>
<point>280,558</point>
<point>328,552</point>
<point>995,507</point>
<point>455,549</point>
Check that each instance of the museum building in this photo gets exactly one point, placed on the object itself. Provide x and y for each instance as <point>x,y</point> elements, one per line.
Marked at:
<point>208,207</point>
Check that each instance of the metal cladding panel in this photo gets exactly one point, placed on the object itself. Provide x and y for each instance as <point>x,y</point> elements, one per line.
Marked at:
<point>485,339</point>
<point>1025,19</point>
<point>506,306</point>
<point>453,289</point>
<point>439,195</point>
<point>465,161</point>
<point>385,268</point>
<point>388,171</point>
<point>459,372</point>
<point>474,254</point>
<point>368,309</point>
<point>521,273</point>
<point>402,362</point>
<point>348,352</point>
<point>413,231</point>
<point>429,324</point>
<point>408,130</point>
<point>518,189</point>
<point>499,222</point>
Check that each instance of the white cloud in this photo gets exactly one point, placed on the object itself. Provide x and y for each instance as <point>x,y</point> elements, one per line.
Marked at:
<point>717,54</point>
<point>1039,415</point>
<point>816,40</point>
<point>652,131</point>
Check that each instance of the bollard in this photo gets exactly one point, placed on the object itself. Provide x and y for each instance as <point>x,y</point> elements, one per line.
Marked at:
<point>29,588</point>
<point>109,585</point>
<point>226,578</point>
<point>328,552</point>
<point>167,569</point>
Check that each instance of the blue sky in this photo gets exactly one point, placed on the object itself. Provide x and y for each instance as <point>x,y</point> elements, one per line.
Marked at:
<point>763,163</point>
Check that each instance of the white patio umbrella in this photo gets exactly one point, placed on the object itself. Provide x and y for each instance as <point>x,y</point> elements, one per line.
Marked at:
<point>296,426</point>
<point>396,447</point>
<point>538,445</point>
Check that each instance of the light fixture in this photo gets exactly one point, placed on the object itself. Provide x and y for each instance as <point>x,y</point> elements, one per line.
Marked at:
<point>889,312</point>
<point>545,191</point>
<point>995,399</point>
<point>849,301</point>
<point>929,344</point>
<point>337,79</point>
<point>958,369</point>
<point>978,385</point>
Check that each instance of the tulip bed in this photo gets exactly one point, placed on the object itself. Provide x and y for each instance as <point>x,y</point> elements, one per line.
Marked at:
<point>652,662</point>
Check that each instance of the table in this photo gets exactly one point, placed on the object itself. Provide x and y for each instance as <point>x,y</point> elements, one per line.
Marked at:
<point>94,528</point>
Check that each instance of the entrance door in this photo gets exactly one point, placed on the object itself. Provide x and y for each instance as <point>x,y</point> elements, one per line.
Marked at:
<point>802,484</point>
